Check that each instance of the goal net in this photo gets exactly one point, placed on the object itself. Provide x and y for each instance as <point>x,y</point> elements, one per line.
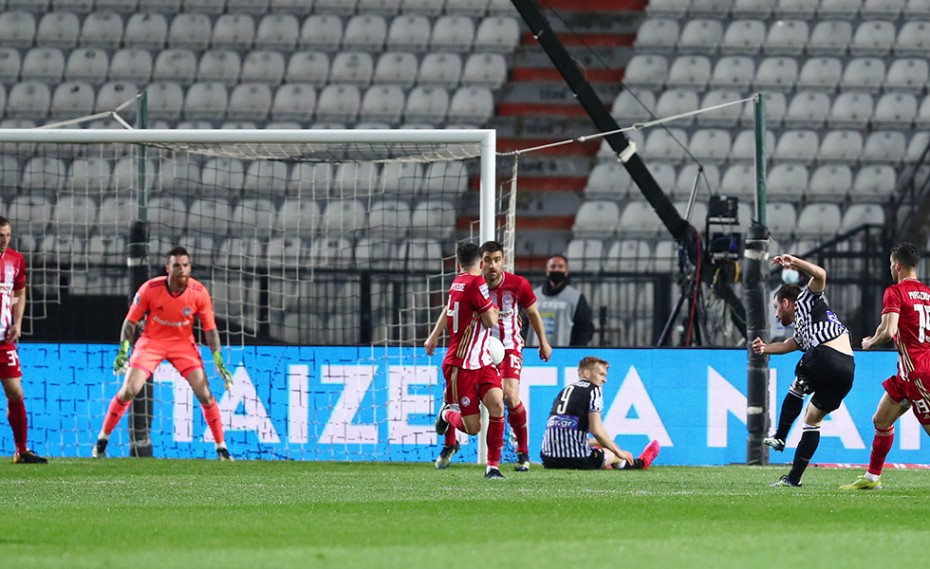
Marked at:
<point>339,238</point>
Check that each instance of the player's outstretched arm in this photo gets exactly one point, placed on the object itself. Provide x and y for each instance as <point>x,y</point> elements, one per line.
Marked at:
<point>887,329</point>
<point>213,341</point>
<point>433,340</point>
<point>536,322</point>
<point>817,273</point>
<point>761,348</point>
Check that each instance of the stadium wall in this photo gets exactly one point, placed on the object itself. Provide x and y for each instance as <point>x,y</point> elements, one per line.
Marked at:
<point>360,403</point>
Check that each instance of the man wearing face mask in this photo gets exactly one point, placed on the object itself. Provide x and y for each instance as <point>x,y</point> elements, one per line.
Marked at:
<point>565,312</point>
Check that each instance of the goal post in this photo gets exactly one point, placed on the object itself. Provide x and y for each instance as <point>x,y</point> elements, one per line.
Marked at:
<point>295,233</point>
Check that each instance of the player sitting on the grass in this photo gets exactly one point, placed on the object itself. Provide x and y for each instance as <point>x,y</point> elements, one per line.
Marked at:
<point>826,369</point>
<point>576,413</point>
<point>511,293</point>
<point>12,308</point>
<point>169,304</point>
<point>467,367</point>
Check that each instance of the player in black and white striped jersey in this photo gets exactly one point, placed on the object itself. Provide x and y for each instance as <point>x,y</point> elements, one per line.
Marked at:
<point>576,415</point>
<point>826,369</point>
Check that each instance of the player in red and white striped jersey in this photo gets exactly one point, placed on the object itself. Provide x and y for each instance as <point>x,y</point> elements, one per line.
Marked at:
<point>906,319</point>
<point>469,373</point>
<point>512,294</point>
<point>12,308</point>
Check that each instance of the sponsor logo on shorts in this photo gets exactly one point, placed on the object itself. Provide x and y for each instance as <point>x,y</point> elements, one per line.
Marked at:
<point>562,422</point>
<point>466,401</point>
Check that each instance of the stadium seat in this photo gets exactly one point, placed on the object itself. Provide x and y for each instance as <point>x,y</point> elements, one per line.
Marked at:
<point>263,66</point>
<point>46,64</point>
<point>277,32</point>
<point>639,220</point>
<point>838,8</point>
<point>383,7</point>
<point>922,120</point>
<point>401,178</point>
<point>664,174</point>
<point>178,65</point>
<point>58,29</point>
<point>585,254</point>
<point>17,28</point>
<point>255,217</point>
<point>239,253</point>
<point>734,72</point>
<point>629,107</point>
<point>821,73</point>
<point>657,35</point>
<point>743,37</point>
<point>220,66</point>
<point>471,105</point>
<point>441,69</point>
<point>426,104</point>
<point>224,176</point>
<point>365,32</point>
<point>257,7</point>
<point>857,215</point>
<point>210,7</point>
<point>321,31</point>
<point>113,94</point>
<point>10,63</point>
<point>666,145</point>
<point>698,212</point>
<point>596,219</point>
<point>895,110</point>
<point>86,175</point>
<point>74,212</point>
<point>298,217</point>
<point>433,218</point>
<point>646,71</point>
<point>87,64</point>
<point>234,32</point>
<point>673,8</point>
<point>423,254</point>
<point>776,73</point>
<point>914,8</point>
<point>863,74</point>
<point>884,146</point>
<point>851,110</point>
<point>126,174</point>
<point>917,145</point>
<point>115,214</point>
<point>712,144</point>
<point>707,178</point>
<point>28,99</point>
<point>830,37</point>
<point>352,68</point>
<point>873,38</point>
<point>72,99</point>
<point>383,103</point>
<point>146,31</point>
<point>167,217</point>
<point>744,145</point>
<point>396,68</point>
<point>408,32</point>
<point>881,9</point>
<point>786,37</point>
<point>344,217</point>
<point>818,220</point>
<point>700,35</point>
<point>907,74</point>
<point>467,7</point>
<point>709,8</point>
<point>830,183</point>
<point>608,181</point>
<point>338,103</point>
<point>190,31</point>
<point>840,146</point>
<point>497,34</point>
<point>724,117</point>
<point>753,8</point>
<point>422,7</point>
<point>206,101</point>
<point>209,216</point>
<point>133,65</point>
<point>913,39</point>
<point>781,219</point>
<point>296,7</point>
<point>31,212</point>
<point>340,7</point>
<point>447,179</point>
<point>389,218</point>
<point>797,145</point>
<point>874,183</point>
<point>452,33</point>
<point>787,182</point>
<point>294,101</point>
<point>689,71</point>
<point>807,108</point>
<point>628,255</point>
<point>311,67</point>
<point>102,29</point>
<point>677,101</point>
<point>285,252</point>
<point>249,101</point>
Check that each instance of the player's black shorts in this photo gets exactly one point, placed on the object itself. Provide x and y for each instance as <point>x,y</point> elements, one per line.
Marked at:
<point>828,374</point>
<point>593,461</point>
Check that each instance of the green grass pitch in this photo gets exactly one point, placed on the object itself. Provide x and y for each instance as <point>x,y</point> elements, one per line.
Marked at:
<point>141,513</point>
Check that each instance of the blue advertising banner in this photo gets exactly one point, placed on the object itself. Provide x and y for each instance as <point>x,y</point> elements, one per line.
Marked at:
<point>378,404</point>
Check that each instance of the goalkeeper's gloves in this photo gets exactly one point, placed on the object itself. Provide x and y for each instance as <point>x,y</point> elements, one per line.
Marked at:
<point>121,363</point>
<point>221,369</point>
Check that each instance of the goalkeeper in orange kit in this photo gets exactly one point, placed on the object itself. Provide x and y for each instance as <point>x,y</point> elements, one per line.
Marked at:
<point>169,304</point>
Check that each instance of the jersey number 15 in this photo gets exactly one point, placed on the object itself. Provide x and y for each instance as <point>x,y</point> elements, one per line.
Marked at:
<point>923,311</point>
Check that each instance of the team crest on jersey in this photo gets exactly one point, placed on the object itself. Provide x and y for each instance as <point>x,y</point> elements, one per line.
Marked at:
<point>466,401</point>
<point>187,311</point>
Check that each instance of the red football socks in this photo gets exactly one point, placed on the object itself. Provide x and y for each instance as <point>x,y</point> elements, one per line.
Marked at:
<point>881,446</point>
<point>16,413</point>
<point>114,413</point>
<point>212,415</point>
<point>495,440</point>
<point>517,419</point>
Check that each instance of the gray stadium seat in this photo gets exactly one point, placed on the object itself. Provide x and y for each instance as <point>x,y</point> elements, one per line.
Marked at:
<point>190,31</point>
<point>219,65</point>
<point>58,29</point>
<point>126,173</point>
<point>807,108</point>
<point>851,110</point>
<point>206,101</point>
<point>857,215</point>
<point>917,145</point>
<point>426,104</point>
<point>628,255</point>
<point>922,120</point>
<point>352,68</point>
<point>739,180</point>
<point>146,30</point>
<point>102,29</point>
<point>753,8</point>
<point>895,110</point>
<point>277,31</point>
<point>310,67</point>
<point>178,65</point>
<point>727,116</point>
<point>298,217</point>
<point>249,101</point>
<point>608,180</point>
<point>822,73</point>
<point>830,183</point>
<point>28,99</point>
<point>843,146</point>
<point>700,35</point>
<point>689,71</point>
<point>72,99</point>
<point>365,32</point>
<point>881,9</point>
<point>408,32</point>
<point>263,66</point>
<point>285,252</point>
<point>87,175</point>
<point>389,218</point>
<point>31,213</point>
<point>452,33</point>
<point>781,219</point>
<point>321,31</point>
<point>257,7</point>
<point>585,254</point>
<point>442,69</point>
<point>88,64</point>
<point>596,219</point>
<point>673,8</point>
<point>233,31</point>
<point>45,64</point>
<point>777,73</point>
<point>733,71</point>
<point>471,105</point>
<point>294,101</point>
<point>913,39</point>
<point>467,7</point>
<point>210,7</point>
<point>677,101</point>
<point>666,145</point>
<point>916,8</point>
<point>629,108</point>
<point>787,181</point>
<point>74,212</point>
<point>646,71</point>
<point>797,145</point>
<point>874,183</point>
<point>396,68</point>
<point>873,38</point>
<point>884,146</point>
<point>838,8</point>
<point>131,64</point>
<point>338,103</point>
<point>255,217</point>
<point>707,179</point>
<point>344,217</point>
<point>639,220</point>
<point>745,143</point>
<point>209,215</point>
<point>383,103</point>
<point>786,37</point>
<point>384,7</point>
<point>10,63</point>
<point>818,220</point>
<point>115,214</point>
<point>120,6</point>
<point>17,28</point>
<point>711,144</point>
<point>830,37</point>
<point>296,7</point>
<point>340,7</point>
<point>907,74</point>
<point>657,35</point>
<point>743,37</point>
<point>112,94</point>
<point>863,74</point>
<point>497,34</point>
<point>167,216</point>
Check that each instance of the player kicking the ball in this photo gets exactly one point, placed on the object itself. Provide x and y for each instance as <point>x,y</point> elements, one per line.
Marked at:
<point>469,373</point>
<point>169,304</point>
<point>511,293</point>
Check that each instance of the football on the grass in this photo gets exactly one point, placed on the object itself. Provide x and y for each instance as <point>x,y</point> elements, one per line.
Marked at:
<point>496,349</point>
